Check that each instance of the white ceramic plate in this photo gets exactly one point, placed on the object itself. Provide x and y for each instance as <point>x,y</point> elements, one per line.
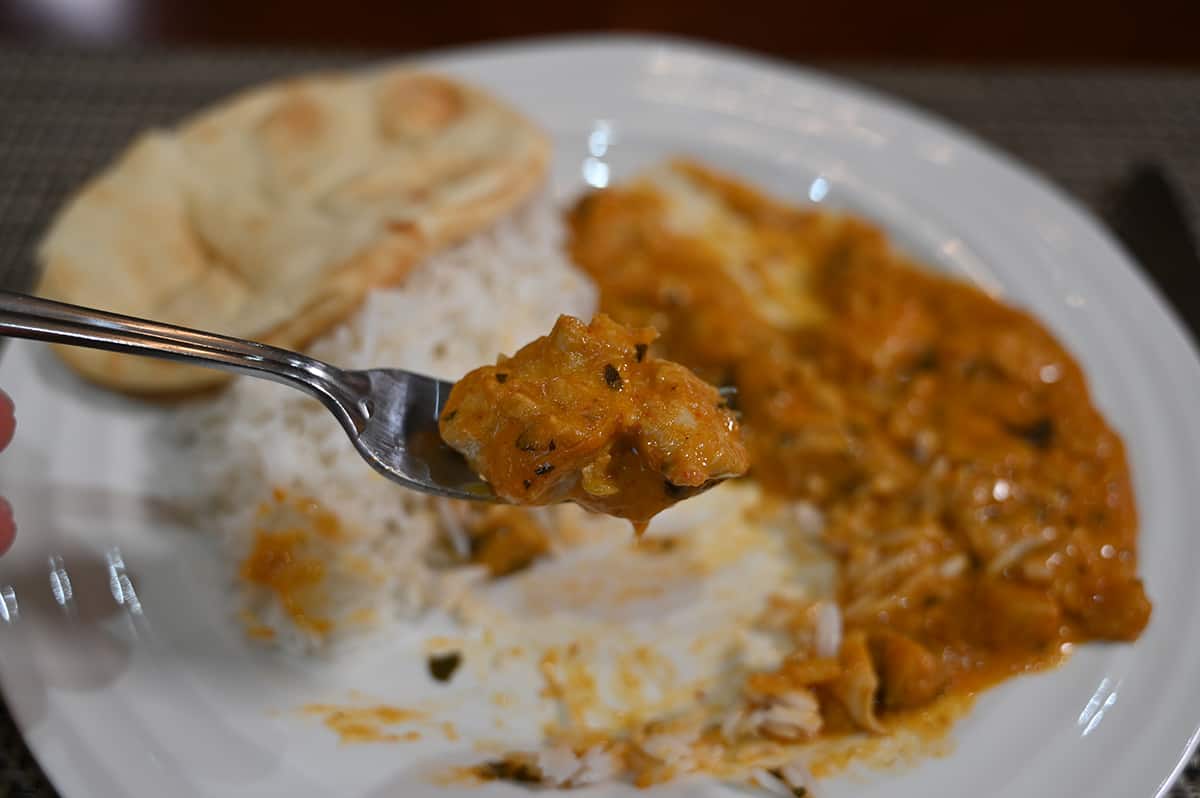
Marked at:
<point>169,699</point>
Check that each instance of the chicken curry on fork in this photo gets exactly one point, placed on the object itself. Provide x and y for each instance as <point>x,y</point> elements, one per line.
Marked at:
<point>587,414</point>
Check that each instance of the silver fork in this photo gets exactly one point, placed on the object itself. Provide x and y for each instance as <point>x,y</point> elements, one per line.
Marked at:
<point>390,415</point>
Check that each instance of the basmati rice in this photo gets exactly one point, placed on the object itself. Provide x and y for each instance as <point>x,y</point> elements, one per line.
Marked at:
<point>458,310</point>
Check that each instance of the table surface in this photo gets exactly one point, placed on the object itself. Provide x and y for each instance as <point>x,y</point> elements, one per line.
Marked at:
<point>1021,31</point>
<point>67,111</point>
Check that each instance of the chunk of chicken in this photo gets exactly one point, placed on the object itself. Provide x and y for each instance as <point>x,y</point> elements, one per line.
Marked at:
<point>1017,615</point>
<point>909,674</point>
<point>857,685</point>
<point>587,414</point>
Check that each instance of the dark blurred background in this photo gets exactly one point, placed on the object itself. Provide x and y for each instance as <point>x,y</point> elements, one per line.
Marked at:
<point>1112,32</point>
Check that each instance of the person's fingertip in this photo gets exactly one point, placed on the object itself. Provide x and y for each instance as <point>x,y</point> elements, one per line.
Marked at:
<point>8,420</point>
<point>8,527</point>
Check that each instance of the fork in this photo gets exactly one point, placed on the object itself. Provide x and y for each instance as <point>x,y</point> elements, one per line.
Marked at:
<point>390,414</point>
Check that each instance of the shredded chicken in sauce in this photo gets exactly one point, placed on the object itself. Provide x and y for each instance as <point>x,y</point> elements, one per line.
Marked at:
<point>587,414</point>
<point>978,503</point>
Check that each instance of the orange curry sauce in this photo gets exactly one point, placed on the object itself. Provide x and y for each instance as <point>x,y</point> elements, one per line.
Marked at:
<point>979,505</point>
<point>283,560</point>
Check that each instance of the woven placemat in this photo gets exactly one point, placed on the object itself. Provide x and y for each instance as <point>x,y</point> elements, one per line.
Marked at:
<point>65,113</point>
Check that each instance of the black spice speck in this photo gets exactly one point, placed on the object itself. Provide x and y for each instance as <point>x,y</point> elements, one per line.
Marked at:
<point>527,483</point>
<point>552,446</point>
<point>450,416</point>
<point>501,377</point>
<point>1039,434</point>
<point>443,666</point>
<point>612,376</point>
<point>503,770</point>
<point>799,792</point>
<point>927,361</point>
<point>641,351</point>
<point>544,468</point>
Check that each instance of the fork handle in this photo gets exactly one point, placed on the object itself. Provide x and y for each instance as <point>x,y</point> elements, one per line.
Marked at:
<point>23,316</point>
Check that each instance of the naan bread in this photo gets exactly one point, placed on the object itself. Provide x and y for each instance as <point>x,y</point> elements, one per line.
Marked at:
<point>270,216</point>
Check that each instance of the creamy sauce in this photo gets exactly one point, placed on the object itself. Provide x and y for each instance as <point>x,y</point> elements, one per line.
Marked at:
<point>979,505</point>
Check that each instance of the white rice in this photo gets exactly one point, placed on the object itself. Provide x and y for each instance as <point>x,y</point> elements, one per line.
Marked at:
<point>793,780</point>
<point>599,765</point>
<point>772,784</point>
<point>829,629</point>
<point>558,764</point>
<point>456,311</point>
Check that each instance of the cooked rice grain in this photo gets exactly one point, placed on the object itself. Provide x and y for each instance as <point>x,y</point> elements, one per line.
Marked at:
<point>458,310</point>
